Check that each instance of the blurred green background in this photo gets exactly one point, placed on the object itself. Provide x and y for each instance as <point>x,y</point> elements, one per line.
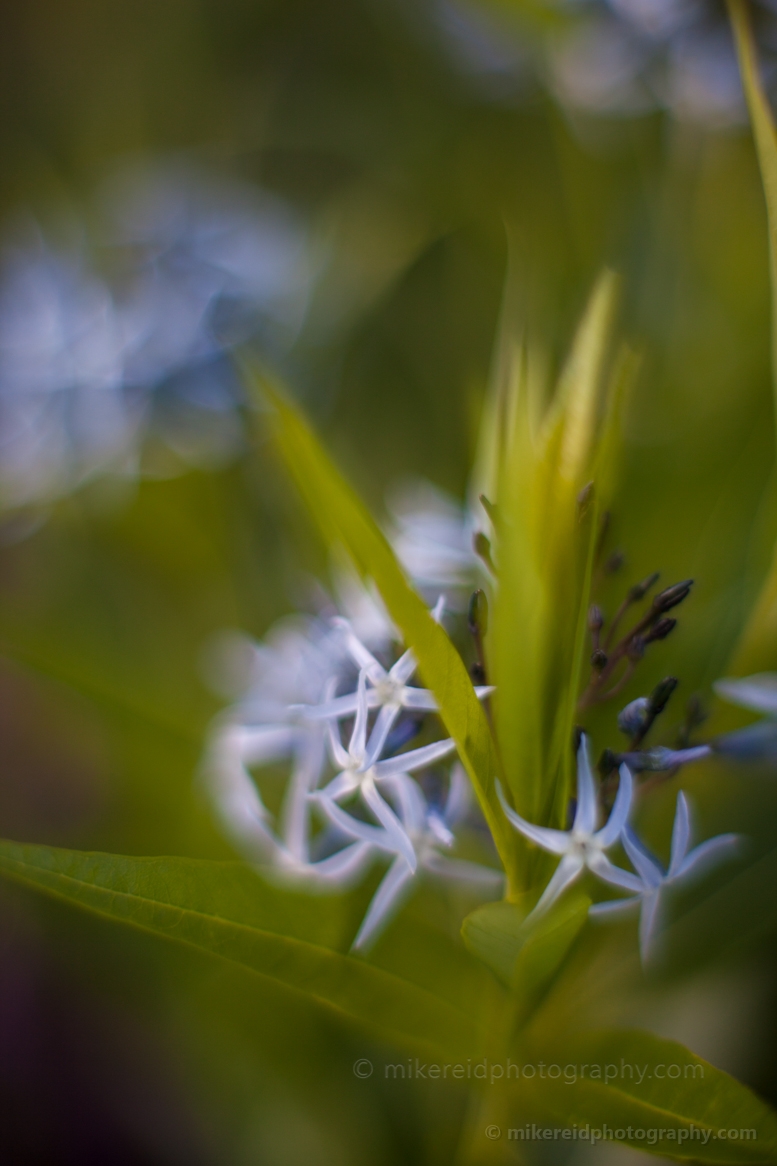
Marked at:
<point>416,174</point>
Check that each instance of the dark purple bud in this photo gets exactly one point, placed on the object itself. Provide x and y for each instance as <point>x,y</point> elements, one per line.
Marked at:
<point>595,618</point>
<point>671,596</point>
<point>599,659</point>
<point>661,630</point>
<point>640,590</point>
<point>615,562</point>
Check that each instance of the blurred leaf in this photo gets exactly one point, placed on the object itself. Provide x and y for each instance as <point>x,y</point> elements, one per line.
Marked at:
<point>224,909</point>
<point>344,520</point>
<point>700,1098</point>
<point>525,958</point>
<point>757,647</point>
<point>548,502</point>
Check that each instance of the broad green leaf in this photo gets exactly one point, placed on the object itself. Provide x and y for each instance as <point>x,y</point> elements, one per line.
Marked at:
<point>226,910</point>
<point>344,520</point>
<point>525,958</point>
<point>627,1080</point>
<point>757,648</point>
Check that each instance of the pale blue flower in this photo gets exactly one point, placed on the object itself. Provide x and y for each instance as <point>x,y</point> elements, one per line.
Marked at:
<point>389,689</point>
<point>430,830</point>
<point>684,866</point>
<point>583,846</point>
<point>361,771</point>
<point>756,742</point>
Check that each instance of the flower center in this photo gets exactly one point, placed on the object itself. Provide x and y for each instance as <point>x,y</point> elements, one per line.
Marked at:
<point>389,691</point>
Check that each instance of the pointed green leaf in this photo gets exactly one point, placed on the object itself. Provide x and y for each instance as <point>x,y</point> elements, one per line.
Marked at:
<point>525,958</point>
<point>223,908</point>
<point>548,536</point>
<point>344,520</point>
<point>635,1082</point>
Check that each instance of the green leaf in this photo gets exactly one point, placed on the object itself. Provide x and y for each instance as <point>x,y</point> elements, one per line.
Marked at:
<point>525,958</point>
<point>758,643</point>
<point>223,908</point>
<point>548,535</point>
<point>344,520</point>
<point>633,1080</point>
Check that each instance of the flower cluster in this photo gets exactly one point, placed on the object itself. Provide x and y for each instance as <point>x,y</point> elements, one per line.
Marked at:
<point>584,847</point>
<point>345,805</point>
<point>91,365</point>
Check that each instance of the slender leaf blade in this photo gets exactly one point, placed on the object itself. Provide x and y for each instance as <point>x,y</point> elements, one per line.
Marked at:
<point>344,519</point>
<point>224,909</point>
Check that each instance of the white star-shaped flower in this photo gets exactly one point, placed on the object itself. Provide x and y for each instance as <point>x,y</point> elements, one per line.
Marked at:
<point>361,770</point>
<point>583,846</point>
<point>654,880</point>
<point>389,689</point>
<point>430,830</point>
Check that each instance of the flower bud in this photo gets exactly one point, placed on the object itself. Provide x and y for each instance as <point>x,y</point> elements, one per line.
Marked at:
<point>661,630</point>
<point>595,618</point>
<point>671,596</point>
<point>633,718</point>
<point>640,590</point>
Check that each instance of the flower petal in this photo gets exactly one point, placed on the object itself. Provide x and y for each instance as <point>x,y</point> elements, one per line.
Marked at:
<point>649,926</point>
<point>758,692</point>
<point>708,855</point>
<point>556,841</point>
<point>341,785</point>
<point>601,866</point>
<point>648,867</point>
<point>361,656</point>
<point>386,901</point>
<point>380,731</point>
<point>339,706</point>
<point>344,867</point>
<point>619,815</point>
<point>566,873</point>
<point>586,813</point>
<point>412,803</point>
<point>419,698</point>
<point>354,827</point>
<point>404,667</point>
<point>681,835</point>
<point>462,871</point>
<point>414,758</point>
<point>310,758</point>
<point>459,796</point>
<point>389,821</point>
<point>358,741</point>
<point>614,908</point>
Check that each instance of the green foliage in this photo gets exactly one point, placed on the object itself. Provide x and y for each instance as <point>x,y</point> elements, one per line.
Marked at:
<point>345,522</point>
<point>757,648</point>
<point>296,939</point>
<point>553,473</point>
<point>695,1095</point>
<point>525,957</point>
